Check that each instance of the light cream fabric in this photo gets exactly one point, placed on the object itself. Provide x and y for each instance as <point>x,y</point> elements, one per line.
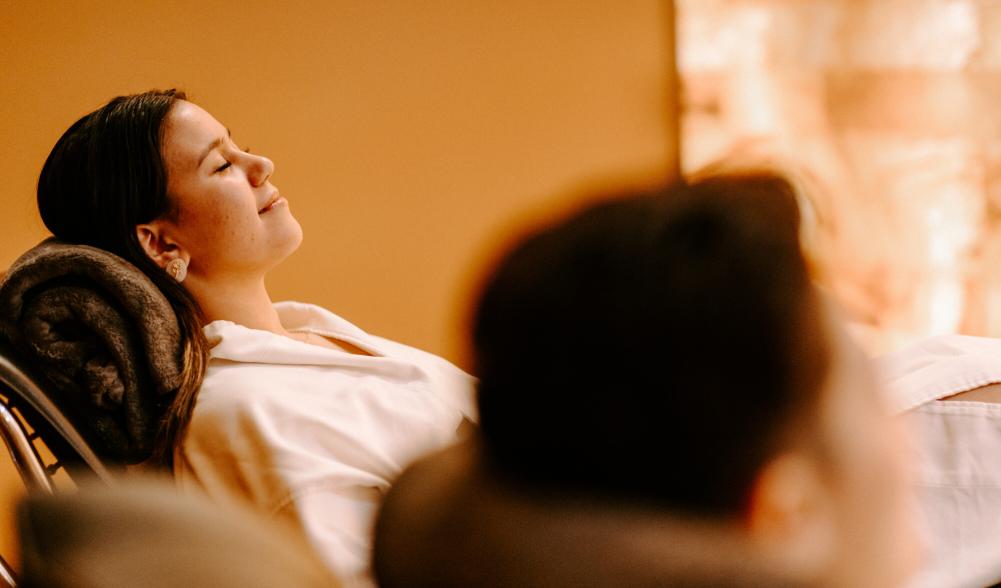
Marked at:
<point>316,435</point>
<point>143,533</point>
<point>959,454</point>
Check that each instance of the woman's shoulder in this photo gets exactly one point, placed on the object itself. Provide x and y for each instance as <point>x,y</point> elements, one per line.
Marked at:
<point>231,387</point>
<point>302,315</point>
<point>250,366</point>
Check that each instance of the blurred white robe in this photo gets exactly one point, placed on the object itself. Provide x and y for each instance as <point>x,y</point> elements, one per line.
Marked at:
<point>314,435</point>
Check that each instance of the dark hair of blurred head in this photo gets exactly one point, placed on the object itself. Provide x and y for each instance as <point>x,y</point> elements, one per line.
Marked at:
<point>657,347</point>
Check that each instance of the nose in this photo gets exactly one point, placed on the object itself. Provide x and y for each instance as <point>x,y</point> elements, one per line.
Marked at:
<point>259,169</point>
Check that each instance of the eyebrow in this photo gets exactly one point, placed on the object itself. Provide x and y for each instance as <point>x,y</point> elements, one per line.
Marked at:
<point>213,146</point>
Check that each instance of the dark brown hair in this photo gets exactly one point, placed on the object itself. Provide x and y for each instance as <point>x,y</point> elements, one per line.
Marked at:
<point>659,347</point>
<point>104,176</point>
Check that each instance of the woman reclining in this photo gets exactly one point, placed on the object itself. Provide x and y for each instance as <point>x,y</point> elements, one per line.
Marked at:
<point>285,405</point>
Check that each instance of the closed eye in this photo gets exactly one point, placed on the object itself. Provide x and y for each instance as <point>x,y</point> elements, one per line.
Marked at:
<point>223,167</point>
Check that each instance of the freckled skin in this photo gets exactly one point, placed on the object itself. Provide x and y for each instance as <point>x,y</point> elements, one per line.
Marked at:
<point>228,223</point>
<point>216,219</point>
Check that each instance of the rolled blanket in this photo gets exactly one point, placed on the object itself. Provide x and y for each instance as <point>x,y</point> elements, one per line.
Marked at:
<point>104,336</point>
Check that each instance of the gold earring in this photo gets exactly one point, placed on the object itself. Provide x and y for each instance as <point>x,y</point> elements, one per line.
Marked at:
<point>177,269</point>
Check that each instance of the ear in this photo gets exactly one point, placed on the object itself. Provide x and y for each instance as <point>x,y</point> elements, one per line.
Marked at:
<point>158,242</point>
<point>792,517</point>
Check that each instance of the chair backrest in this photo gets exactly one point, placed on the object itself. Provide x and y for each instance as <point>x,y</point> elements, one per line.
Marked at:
<point>24,391</point>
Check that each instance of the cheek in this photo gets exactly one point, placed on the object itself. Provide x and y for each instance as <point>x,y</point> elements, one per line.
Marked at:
<point>218,225</point>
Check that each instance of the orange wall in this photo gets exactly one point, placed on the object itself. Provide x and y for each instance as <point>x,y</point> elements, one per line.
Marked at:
<point>409,136</point>
<point>404,133</point>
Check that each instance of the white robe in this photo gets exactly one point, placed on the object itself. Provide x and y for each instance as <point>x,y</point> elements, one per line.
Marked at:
<point>958,457</point>
<point>316,435</point>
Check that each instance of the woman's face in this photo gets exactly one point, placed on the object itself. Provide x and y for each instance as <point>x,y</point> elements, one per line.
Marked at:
<point>228,217</point>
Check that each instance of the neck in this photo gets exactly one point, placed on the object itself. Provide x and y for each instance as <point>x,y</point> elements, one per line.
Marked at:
<point>245,303</point>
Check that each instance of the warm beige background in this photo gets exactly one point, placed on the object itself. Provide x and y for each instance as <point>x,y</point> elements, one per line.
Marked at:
<point>409,136</point>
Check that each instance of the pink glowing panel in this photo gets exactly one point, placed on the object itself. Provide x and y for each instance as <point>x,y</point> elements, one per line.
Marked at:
<point>886,112</point>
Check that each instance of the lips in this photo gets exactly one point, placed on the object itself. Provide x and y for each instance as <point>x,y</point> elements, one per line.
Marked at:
<point>274,199</point>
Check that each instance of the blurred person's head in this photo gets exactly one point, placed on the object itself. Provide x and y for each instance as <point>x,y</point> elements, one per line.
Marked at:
<point>669,350</point>
<point>156,180</point>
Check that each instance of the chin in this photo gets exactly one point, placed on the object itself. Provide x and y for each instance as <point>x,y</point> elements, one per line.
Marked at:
<point>283,241</point>
<point>292,238</point>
